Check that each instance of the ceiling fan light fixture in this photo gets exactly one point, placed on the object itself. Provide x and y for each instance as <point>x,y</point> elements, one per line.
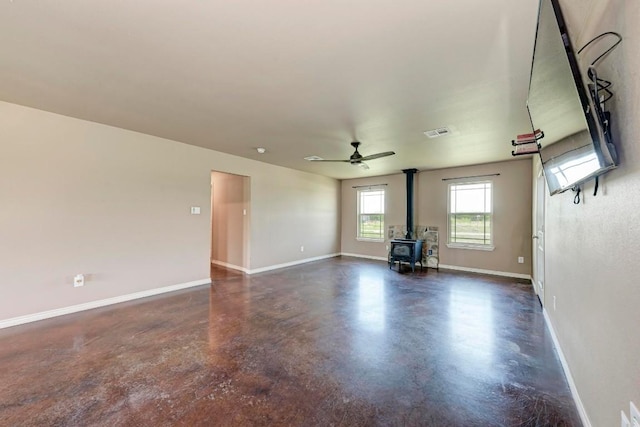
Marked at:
<point>261,150</point>
<point>313,158</point>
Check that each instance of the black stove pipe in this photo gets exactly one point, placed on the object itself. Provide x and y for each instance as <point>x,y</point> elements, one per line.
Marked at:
<point>409,173</point>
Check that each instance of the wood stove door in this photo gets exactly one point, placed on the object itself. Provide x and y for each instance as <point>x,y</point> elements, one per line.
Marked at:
<point>401,251</point>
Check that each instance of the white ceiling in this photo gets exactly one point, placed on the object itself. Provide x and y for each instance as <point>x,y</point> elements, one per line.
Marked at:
<point>299,78</point>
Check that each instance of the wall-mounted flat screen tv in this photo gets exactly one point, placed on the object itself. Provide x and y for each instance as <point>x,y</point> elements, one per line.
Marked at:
<point>576,146</point>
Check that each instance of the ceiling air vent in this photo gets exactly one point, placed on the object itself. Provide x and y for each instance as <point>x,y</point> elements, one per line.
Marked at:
<point>434,133</point>
<point>313,158</point>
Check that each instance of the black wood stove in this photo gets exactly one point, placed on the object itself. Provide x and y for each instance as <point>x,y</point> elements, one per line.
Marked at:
<point>405,250</point>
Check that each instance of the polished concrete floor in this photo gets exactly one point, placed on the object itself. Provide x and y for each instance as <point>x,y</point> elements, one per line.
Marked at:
<point>341,342</point>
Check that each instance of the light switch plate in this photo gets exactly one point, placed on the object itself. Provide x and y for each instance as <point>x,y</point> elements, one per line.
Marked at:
<point>195,210</point>
<point>78,280</point>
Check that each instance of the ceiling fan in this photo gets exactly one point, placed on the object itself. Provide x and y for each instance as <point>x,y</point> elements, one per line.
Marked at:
<point>356,158</point>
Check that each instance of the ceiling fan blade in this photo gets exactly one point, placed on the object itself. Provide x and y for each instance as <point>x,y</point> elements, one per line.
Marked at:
<point>355,159</point>
<point>377,156</point>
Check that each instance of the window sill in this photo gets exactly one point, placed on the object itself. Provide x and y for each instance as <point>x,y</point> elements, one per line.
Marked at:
<point>471,247</point>
<point>364,239</point>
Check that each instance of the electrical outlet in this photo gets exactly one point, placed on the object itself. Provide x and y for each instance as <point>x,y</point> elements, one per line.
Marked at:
<point>520,260</point>
<point>624,421</point>
<point>78,280</point>
<point>301,248</point>
<point>634,415</point>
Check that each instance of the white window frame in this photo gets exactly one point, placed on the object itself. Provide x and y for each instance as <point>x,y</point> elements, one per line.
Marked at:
<point>359,213</point>
<point>466,245</point>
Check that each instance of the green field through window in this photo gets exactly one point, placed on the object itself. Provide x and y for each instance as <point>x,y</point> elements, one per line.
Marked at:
<point>470,212</point>
<point>371,214</point>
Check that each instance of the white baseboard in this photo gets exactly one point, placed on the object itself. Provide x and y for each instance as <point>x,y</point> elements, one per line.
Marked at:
<point>567,372</point>
<point>14,321</point>
<point>231,266</point>
<point>482,271</point>
<point>378,258</point>
<point>535,290</point>
<point>290,264</point>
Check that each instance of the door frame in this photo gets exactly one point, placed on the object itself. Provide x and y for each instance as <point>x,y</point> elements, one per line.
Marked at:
<point>232,205</point>
<point>539,238</point>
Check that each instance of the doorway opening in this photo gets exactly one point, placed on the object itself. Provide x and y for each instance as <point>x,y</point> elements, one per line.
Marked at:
<point>230,222</point>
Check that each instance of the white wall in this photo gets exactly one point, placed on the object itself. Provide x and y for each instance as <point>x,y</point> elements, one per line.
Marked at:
<point>593,249</point>
<point>80,197</point>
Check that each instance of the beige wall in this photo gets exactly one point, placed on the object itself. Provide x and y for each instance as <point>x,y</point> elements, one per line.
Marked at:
<point>80,197</point>
<point>592,249</point>
<point>297,209</point>
<point>229,218</point>
<point>512,217</point>
<point>395,213</point>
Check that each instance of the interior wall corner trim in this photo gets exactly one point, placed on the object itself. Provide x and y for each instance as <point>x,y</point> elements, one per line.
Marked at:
<point>567,372</point>
<point>230,266</point>
<point>15,321</point>
<point>482,271</point>
<point>292,263</point>
<point>377,258</point>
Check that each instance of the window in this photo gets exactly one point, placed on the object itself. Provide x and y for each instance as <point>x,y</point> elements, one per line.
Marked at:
<point>470,216</point>
<point>371,214</point>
